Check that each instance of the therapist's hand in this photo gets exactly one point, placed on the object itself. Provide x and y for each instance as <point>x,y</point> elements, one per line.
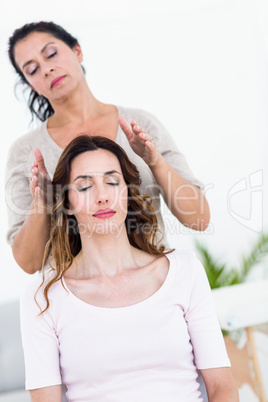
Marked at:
<point>140,141</point>
<point>40,183</point>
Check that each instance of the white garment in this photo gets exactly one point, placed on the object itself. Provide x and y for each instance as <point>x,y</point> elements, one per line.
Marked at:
<point>144,352</point>
<point>21,156</point>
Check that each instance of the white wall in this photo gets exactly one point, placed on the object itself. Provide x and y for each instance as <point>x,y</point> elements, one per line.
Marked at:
<point>200,66</point>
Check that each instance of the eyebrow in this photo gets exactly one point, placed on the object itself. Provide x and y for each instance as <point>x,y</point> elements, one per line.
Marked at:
<point>91,177</point>
<point>42,51</point>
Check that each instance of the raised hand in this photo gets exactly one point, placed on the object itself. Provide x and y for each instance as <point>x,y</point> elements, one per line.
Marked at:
<point>140,141</point>
<point>40,183</point>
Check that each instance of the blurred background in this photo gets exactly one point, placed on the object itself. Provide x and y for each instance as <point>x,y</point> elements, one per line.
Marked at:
<point>201,67</point>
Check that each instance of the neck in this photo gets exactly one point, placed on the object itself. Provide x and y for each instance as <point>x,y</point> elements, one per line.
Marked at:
<point>106,255</point>
<point>77,108</point>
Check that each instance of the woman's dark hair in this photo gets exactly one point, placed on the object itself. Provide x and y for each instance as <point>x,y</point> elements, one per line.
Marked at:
<point>65,242</point>
<point>38,104</point>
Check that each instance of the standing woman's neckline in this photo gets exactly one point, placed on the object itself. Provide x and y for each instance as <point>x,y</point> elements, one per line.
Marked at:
<point>56,146</point>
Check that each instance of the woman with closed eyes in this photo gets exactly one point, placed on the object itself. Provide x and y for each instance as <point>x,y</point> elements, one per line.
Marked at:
<point>48,61</point>
<point>118,317</point>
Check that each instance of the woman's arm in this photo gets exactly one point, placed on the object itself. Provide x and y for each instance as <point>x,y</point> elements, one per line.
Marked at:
<point>220,385</point>
<point>29,243</point>
<point>47,394</point>
<point>209,349</point>
<point>40,345</point>
<point>185,200</point>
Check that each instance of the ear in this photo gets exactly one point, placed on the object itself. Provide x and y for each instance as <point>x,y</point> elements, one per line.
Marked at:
<point>77,49</point>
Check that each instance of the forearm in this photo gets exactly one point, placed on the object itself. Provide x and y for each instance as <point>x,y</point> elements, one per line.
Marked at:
<point>224,393</point>
<point>186,201</point>
<point>47,394</point>
<point>220,385</point>
<point>29,243</point>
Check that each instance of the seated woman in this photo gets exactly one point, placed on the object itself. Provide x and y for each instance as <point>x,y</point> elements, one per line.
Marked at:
<point>118,317</point>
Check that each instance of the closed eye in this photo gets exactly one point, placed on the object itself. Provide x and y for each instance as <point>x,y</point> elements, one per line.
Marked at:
<point>84,188</point>
<point>33,72</point>
<point>52,55</point>
<point>113,184</point>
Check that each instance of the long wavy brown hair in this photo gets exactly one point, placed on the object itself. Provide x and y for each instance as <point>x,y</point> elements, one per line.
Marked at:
<point>65,242</point>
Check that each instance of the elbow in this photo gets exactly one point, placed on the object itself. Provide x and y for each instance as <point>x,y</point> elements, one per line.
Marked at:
<point>27,267</point>
<point>199,221</point>
<point>203,218</point>
<point>194,212</point>
<point>25,262</point>
<point>203,221</point>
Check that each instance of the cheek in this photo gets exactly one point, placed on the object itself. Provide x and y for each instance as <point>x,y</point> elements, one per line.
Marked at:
<point>123,200</point>
<point>71,64</point>
<point>34,83</point>
<point>77,202</point>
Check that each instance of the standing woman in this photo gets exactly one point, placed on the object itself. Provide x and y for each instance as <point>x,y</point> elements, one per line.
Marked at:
<point>48,60</point>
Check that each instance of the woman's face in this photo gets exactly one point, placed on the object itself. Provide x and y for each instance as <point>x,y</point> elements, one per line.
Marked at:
<point>98,193</point>
<point>50,66</point>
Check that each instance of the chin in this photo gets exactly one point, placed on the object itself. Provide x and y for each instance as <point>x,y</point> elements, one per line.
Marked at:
<point>107,228</point>
<point>61,96</point>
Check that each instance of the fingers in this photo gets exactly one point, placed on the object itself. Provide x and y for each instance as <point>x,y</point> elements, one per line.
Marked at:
<point>125,127</point>
<point>34,181</point>
<point>38,156</point>
<point>151,153</point>
<point>36,188</point>
<point>35,178</point>
<point>133,130</point>
<point>37,192</point>
<point>140,132</point>
<point>146,138</point>
<point>39,161</point>
<point>39,180</point>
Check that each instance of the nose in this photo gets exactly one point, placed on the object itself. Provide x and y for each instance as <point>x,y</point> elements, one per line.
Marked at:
<point>103,201</point>
<point>102,197</point>
<point>48,70</point>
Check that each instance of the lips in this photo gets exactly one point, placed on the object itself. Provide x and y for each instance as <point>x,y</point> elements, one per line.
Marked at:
<point>104,213</point>
<point>57,81</point>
